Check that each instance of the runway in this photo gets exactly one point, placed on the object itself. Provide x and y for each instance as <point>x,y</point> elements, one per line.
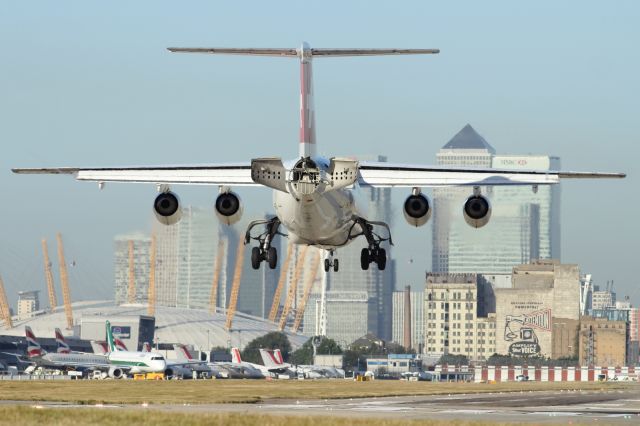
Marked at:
<point>548,407</point>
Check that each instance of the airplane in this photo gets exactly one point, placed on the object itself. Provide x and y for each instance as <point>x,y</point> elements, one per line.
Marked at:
<point>131,362</point>
<point>313,196</point>
<point>64,361</point>
<point>273,365</point>
<point>232,370</point>
<point>62,345</point>
<point>311,371</point>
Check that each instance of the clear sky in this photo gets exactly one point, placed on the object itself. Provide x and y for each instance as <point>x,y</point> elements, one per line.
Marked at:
<point>89,83</point>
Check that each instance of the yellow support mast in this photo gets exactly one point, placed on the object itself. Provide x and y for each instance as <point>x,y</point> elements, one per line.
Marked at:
<point>64,279</point>
<point>213,298</point>
<point>53,302</point>
<point>5,312</point>
<point>284,269</point>
<point>235,287</point>
<point>131,292</point>
<point>151,294</point>
<point>307,292</point>
<point>293,285</point>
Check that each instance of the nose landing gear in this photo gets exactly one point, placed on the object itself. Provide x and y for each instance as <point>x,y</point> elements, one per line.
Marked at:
<point>330,262</point>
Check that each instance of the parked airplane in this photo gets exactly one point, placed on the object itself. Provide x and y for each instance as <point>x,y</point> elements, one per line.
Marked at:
<point>231,370</point>
<point>275,366</point>
<point>311,371</point>
<point>313,195</point>
<point>66,360</point>
<point>131,362</point>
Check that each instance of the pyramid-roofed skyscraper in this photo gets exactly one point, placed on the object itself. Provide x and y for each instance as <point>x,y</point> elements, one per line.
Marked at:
<point>524,225</point>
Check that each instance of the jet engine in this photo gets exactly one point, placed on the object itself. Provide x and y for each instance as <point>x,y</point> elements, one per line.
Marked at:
<point>228,207</point>
<point>477,211</point>
<point>167,208</point>
<point>417,209</point>
<point>115,373</point>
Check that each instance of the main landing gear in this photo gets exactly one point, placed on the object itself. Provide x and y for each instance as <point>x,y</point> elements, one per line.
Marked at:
<point>374,253</point>
<point>264,251</point>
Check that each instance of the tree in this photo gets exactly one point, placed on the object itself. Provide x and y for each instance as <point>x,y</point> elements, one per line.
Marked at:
<point>304,355</point>
<point>273,340</point>
<point>451,359</point>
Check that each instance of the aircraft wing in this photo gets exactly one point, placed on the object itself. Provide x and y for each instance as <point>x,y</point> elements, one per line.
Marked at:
<point>406,175</point>
<point>237,174</point>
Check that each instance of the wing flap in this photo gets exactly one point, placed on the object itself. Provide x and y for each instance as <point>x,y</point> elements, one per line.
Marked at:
<point>224,174</point>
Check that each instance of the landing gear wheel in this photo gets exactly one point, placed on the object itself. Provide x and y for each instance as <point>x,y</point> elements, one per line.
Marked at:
<point>256,258</point>
<point>381,259</point>
<point>327,265</point>
<point>336,265</point>
<point>364,259</point>
<point>272,257</point>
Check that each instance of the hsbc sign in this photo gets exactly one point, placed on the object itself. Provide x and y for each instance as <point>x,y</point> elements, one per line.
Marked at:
<point>521,162</point>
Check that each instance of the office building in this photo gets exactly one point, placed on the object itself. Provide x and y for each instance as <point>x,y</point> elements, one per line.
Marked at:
<point>524,224</point>
<point>417,319</point>
<point>28,303</point>
<point>140,244</point>
<point>347,313</point>
<point>452,324</point>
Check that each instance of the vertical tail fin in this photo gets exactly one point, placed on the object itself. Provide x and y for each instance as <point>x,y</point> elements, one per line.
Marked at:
<point>278,356</point>
<point>269,359</point>
<point>99,347</point>
<point>120,346</point>
<point>33,347</point>
<point>110,343</point>
<point>63,347</point>
<point>182,352</point>
<point>146,347</point>
<point>305,53</point>
<point>235,356</point>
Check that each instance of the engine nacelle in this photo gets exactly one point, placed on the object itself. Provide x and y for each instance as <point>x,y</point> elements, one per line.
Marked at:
<point>417,209</point>
<point>115,373</point>
<point>228,207</point>
<point>167,208</point>
<point>477,211</point>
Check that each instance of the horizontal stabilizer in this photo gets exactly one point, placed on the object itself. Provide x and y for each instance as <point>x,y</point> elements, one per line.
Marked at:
<point>293,52</point>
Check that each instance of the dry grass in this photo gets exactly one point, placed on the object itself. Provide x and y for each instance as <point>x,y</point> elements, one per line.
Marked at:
<point>252,391</point>
<point>118,417</point>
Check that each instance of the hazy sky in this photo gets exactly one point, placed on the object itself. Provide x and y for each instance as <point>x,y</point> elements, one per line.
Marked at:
<point>91,84</point>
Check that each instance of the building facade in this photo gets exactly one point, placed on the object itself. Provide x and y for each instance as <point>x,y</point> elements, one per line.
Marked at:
<point>603,342</point>
<point>417,319</point>
<point>452,324</point>
<point>140,244</point>
<point>347,313</point>
<point>28,303</point>
<point>524,225</point>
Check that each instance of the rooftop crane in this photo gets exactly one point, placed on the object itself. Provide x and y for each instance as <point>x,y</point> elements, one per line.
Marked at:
<point>53,302</point>
<point>64,279</point>
<point>293,285</point>
<point>5,312</point>
<point>213,298</point>
<point>283,277</point>
<point>235,287</point>
<point>307,292</point>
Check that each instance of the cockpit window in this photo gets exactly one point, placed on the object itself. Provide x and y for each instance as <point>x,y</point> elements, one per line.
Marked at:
<point>157,358</point>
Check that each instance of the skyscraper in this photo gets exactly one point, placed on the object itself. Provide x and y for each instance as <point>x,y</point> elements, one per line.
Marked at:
<point>525,221</point>
<point>141,243</point>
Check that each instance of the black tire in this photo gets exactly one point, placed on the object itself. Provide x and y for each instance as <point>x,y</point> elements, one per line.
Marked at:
<point>381,259</point>
<point>327,265</point>
<point>365,260</point>
<point>336,265</point>
<point>256,258</point>
<point>272,257</point>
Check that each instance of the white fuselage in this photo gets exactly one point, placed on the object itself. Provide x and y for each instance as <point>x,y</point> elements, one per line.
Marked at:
<point>138,362</point>
<point>321,217</point>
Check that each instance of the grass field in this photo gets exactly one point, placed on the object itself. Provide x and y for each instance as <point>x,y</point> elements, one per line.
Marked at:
<point>118,417</point>
<point>253,391</point>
